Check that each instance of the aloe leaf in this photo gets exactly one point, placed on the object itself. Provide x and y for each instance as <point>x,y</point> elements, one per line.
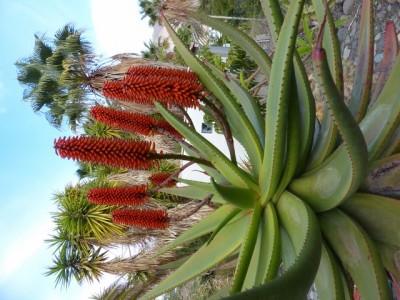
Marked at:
<point>328,280</point>
<point>302,226</point>
<point>330,184</point>
<point>270,245</point>
<point>273,15</point>
<point>359,101</point>
<point>241,127</point>
<point>266,255</point>
<point>225,221</point>
<point>357,253</point>
<point>306,102</point>
<point>383,118</point>
<point>292,146</point>
<point>331,44</point>
<point>238,37</point>
<point>328,134</point>
<point>390,256</point>
<point>277,103</point>
<point>383,177</point>
<point>196,190</point>
<point>240,197</point>
<point>288,253</point>
<point>390,51</point>
<point>378,216</point>
<point>208,170</point>
<point>207,225</point>
<point>393,146</point>
<point>229,170</point>
<point>247,249</point>
<point>226,242</point>
<point>247,101</point>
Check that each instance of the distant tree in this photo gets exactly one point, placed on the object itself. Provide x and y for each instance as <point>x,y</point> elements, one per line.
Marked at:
<point>63,77</point>
<point>56,76</point>
<point>151,9</point>
<point>158,51</point>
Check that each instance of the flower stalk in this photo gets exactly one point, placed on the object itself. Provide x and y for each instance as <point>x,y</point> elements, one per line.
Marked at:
<point>112,152</point>
<point>124,196</point>
<point>131,122</point>
<point>152,219</point>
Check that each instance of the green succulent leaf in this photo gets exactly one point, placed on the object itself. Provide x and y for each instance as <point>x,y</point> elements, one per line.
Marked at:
<point>383,118</point>
<point>292,146</point>
<point>241,127</point>
<point>331,44</point>
<point>288,254</point>
<point>329,278</point>
<point>363,74</point>
<point>225,221</point>
<point>390,256</point>
<point>390,51</point>
<point>247,249</point>
<point>326,140</point>
<point>303,230</point>
<point>266,255</point>
<point>240,197</point>
<point>229,170</point>
<point>270,247</point>
<point>198,191</point>
<point>346,177</point>
<point>383,177</point>
<point>357,253</point>
<point>247,101</point>
<point>207,225</point>
<point>278,102</point>
<point>208,170</point>
<point>238,37</point>
<point>226,242</point>
<point>378,216</point>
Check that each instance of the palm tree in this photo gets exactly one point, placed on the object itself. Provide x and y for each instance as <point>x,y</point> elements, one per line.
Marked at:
<point>158,51</point>
<point>152,10</point>
<point>80,218</point>
<point>55,76</point>
<point>63,77</point>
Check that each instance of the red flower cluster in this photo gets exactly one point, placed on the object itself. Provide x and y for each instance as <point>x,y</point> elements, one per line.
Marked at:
<point>131,122</point>
<point>111,152</point>
<point>125,196</point>
<point>154,219</point>
<point>159,178</point>
<point>162,71</point>
<point>145,84</point>
<point>113,90</point>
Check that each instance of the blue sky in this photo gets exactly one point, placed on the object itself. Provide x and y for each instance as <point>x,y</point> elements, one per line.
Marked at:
<point>30,172</point>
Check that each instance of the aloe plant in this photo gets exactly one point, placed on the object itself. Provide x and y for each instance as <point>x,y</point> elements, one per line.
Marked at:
<point>308,205</point>
<point>316,203</point>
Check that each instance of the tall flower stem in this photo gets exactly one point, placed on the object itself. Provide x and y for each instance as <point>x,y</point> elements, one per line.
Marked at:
<point>186,115</point>
<point>221,120</point>
<point>203,202</point>
<point>175,174</point>
<point>193,159</point>
<point>187,145</point>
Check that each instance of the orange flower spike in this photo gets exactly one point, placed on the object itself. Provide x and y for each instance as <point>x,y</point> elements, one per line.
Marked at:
<point>131,195</point>
<point>159,178</point>
<point>112,152</point>
<point>153,219</point>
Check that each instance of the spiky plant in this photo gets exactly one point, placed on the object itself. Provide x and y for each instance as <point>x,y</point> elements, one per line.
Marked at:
<point>321,200</point>
<point>317,201</point>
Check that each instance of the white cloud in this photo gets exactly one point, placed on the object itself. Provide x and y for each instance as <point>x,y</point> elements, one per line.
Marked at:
<point>118,26</point>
